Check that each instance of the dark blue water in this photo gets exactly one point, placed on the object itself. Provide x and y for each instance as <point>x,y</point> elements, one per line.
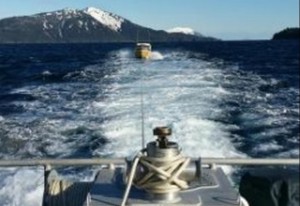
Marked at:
<point>222,99</point>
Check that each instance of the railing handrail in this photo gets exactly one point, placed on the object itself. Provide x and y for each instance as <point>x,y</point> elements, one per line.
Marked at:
<point>120,161</point>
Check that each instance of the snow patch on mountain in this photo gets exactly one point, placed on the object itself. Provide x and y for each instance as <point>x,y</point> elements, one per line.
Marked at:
<point>184,30</point>
<point>110,20</point>
<point>67,12</point>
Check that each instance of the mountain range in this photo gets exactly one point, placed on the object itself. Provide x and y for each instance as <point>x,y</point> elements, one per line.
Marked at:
<point>85,26</point>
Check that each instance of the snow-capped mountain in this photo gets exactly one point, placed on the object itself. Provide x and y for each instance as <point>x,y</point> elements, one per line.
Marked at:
<point>184,30</point>
<point>112,21</point>
<point>87,25</point>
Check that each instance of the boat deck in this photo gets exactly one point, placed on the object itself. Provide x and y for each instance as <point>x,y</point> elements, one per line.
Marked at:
<point>213,188</point>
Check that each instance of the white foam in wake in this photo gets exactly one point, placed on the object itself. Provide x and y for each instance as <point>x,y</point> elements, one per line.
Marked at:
<point>21,186</point>
<point>181,93</point>
<point>156,55</point>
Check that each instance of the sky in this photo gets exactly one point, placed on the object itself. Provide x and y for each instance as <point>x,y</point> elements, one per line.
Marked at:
<point>224,19</point>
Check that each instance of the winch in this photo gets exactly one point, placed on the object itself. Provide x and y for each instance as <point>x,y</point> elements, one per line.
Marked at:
<point>161,175</point>
<point>159,168</point>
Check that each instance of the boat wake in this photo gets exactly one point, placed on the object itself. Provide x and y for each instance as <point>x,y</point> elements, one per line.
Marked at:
<point>178,92</point>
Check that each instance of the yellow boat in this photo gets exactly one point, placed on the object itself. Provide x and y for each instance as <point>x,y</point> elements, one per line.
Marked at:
<point>143,50</point>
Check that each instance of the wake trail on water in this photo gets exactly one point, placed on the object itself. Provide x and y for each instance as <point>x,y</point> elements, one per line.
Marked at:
<point>178,92</point>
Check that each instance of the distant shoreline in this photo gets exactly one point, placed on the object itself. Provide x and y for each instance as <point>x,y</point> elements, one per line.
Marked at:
<point>287,34</point>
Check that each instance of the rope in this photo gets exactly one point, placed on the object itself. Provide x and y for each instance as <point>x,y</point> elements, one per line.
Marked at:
<point>142,111</point>
<point>158,175</point>
<point>130,178</point>
<point>162,174</point>
<point>243,201</point>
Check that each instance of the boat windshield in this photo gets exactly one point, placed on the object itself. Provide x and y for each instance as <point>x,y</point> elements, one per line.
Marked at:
<point>143,46</point>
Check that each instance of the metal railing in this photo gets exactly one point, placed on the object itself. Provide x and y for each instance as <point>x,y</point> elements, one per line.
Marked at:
<point>120,161</point>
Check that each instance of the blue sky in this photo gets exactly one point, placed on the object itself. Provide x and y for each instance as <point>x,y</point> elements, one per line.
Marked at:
<point>225,19</point>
